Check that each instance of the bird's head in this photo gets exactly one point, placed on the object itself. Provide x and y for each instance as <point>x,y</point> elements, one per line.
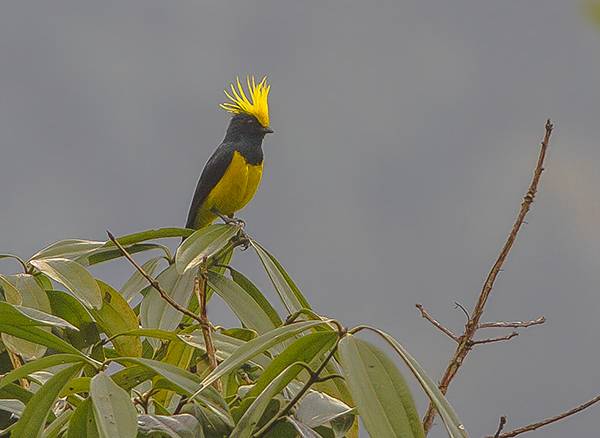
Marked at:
<point>250,115</point>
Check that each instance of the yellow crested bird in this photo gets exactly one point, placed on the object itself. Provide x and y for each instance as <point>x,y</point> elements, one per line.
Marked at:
<point>232,174</point>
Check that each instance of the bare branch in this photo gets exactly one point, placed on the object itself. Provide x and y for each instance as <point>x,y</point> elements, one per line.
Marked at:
<point>200,291</point>
<point>436,323</point>
<point>164,295</point>
<point>534,426</point>
<point>498,339</point>
<point>465,344</point>
<point>500,426</point>
<point>513,324</point>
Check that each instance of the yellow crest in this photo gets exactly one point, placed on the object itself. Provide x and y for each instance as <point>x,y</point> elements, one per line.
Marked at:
<point>256,106</point>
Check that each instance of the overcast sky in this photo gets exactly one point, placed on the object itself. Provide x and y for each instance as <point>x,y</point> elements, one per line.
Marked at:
<point>406,132</point>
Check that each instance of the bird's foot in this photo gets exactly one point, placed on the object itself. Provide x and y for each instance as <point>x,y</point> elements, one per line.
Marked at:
<point>229,220</point>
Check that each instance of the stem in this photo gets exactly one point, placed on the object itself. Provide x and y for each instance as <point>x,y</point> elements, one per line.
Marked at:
<point>200,290</point>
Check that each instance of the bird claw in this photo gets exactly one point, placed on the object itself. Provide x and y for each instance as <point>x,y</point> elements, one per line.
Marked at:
<point>229,220</point>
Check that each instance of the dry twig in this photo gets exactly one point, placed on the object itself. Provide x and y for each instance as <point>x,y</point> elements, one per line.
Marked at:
<point>436,323</point>
<point>466,340</point>
<point>200,290</point>
<point>537,425</point>
<point>164,295</point>
<point>491,340</point>
<point>513,324</point>
<point>500,426</point>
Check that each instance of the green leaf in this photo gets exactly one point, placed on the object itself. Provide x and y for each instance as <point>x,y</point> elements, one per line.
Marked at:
<point>247,309</point>
<point>74,277</point>
<point>70,309</point>
<point>30,295</point>
<point>175,426</point>
<point>304,349</point>
<point>11,294</point>
<point>318,409</point>
<point>382,397</point>
<point>37,365</point>
<point>204,243</point>
<point>137,281</point>
<point>68,249</point>
<point>22,322</point>
<point>248,422</point>
<point>132,376</point>
<point>451,421</point>
<point>32,422</point>
<point>156,312</point>
<point>289,293</point>
<point>114,412</point>
<point>107,253</point>
<point>257,295</point>
<point>254,347</point>
<point>186,382</point>
<point>116,317</point>
<point>159,233</point>
<point>55,428</point>
<point>82,423</point>
<point>12,405</point>
<point>225,346</point>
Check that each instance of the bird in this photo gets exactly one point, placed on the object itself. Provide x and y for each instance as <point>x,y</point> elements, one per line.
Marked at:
<point>232,174</point>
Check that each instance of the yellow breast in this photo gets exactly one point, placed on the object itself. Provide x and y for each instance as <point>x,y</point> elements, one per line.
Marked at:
<point>235,189</point>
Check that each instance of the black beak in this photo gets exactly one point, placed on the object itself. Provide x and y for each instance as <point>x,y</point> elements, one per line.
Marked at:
<point>267,130</point>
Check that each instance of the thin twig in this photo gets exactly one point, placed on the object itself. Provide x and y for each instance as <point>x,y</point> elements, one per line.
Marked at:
<point>436,323</point>
<point>534,426</point>
<point>457,305</point>
<point>465,344</point>
<point>164,295</point>
<point>512,324</point>
<point>500,426</point>
<point>498,339</point>
<point>200,290</point>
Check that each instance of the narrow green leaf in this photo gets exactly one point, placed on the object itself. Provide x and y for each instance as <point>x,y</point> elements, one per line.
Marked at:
<point>30,295</point>
<point>116,317</point>
<point>284,285</point>
<point>175,426</point>
<point>156,312</point>
<point>382,397</point>
<point>74,277</point>
<point>107,253</point>
<point>82,423</point>
<point>186,382</point>
<point>304,349</point>
<point>159,233</point>
<point>137,281</point>
<point>246,425</point>
<point>12,405</point>
<point>247,309</point>
<point>204,243</point>
<point>257,295</point>
<point>225,346</point>
<point>451,421</point>
<point>114,412</point>
<point>68,249</point>
<point>57,426</point>
<point>39,336</point>
<point>254,347</point>
<point>37,365</point>
<point>32,422</point>
<point>318,409</point>
<point>11,293</point>
<point>70,309</point>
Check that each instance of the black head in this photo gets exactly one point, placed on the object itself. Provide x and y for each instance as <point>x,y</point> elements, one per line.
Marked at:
<point>244,125</point>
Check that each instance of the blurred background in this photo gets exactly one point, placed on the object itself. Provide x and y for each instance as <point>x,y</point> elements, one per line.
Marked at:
<point>406,133</point>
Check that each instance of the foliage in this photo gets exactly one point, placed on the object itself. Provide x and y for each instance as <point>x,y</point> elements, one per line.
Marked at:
<point>82,358</point>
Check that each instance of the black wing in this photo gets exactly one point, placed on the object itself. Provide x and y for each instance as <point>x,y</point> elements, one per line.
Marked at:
<point>214,169</point>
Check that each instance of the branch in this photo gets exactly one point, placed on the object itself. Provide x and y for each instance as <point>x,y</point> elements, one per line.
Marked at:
<point>436,323</point>
<point>153,282</point>
<point>465,344</point>
<point>514,324</point>
<point>498,339</point>
<point>500,426</point>
<point>200,290</point>
<point>534,426</point>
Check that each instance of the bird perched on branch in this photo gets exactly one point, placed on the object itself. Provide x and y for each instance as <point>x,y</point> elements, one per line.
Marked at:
<point>232,174</point>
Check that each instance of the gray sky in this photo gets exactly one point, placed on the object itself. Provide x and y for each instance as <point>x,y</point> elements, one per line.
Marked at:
<point>405,137</point>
